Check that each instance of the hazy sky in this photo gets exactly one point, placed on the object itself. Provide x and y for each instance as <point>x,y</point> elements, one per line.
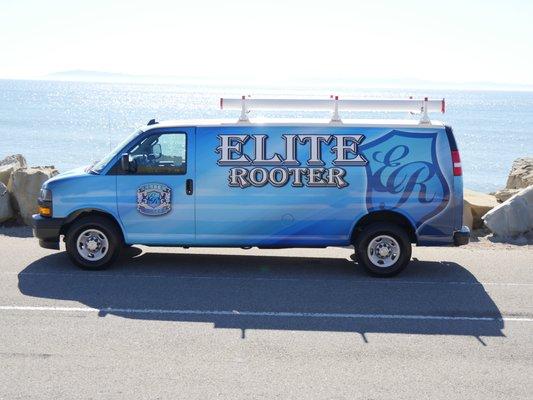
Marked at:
<point>445,40</point>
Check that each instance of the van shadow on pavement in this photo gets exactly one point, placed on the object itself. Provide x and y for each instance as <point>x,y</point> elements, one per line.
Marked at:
<point>261,284</point>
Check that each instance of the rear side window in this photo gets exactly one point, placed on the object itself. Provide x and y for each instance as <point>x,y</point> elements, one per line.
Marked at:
<point>160,154</point>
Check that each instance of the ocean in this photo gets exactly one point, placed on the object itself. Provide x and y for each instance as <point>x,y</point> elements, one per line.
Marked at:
<point>70,124</point>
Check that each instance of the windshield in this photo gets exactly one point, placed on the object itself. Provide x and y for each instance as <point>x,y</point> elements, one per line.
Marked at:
<point>100,165</point>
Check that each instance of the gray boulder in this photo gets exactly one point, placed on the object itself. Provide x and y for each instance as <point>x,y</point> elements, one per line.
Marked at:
<point>10,164</point>
<point>6,211</point>
<point>513,217</point>
<point>505,194</point>
<point>25,185</point>
<point>520,177</point>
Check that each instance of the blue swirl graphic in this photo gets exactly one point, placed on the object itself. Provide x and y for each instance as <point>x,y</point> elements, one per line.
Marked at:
<point>404,172</point>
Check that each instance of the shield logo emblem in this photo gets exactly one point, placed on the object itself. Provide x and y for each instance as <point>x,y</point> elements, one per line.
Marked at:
<point>154,199</point>
<point>403,170</point>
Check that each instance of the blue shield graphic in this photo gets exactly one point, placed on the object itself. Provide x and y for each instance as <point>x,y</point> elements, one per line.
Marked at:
<point>403,172</point>
<point>154,199</point>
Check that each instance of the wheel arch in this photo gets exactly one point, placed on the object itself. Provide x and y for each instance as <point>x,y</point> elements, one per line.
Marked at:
<point>85,212</point>
<point>384,216</point>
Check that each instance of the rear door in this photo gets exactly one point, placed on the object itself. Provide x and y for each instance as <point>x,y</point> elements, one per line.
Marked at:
<point>156,201</point>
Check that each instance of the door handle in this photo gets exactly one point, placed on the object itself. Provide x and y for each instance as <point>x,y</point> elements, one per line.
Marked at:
<point>189,187</point>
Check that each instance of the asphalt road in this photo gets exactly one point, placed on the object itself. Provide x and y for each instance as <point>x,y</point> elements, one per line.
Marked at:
<point>291,324</point>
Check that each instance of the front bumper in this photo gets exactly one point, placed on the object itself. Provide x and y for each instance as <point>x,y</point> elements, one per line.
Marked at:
<point>47,230</point>
<point>462,237</point>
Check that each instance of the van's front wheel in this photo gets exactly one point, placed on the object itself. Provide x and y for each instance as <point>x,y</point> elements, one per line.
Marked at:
<point>383,249</point>
<point>93,243</point>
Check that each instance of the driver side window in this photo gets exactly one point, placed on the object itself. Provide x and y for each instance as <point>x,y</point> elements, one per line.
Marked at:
<point>160,154</point>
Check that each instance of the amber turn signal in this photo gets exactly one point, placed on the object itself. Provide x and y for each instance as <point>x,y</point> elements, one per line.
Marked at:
<point>45,211</point>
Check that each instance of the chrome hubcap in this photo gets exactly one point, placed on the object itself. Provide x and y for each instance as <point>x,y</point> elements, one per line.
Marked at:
<point>383,251</point>
<point>92,245</point>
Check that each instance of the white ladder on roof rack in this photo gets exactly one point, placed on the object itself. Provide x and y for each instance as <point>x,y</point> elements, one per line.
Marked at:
<point>334,104</point>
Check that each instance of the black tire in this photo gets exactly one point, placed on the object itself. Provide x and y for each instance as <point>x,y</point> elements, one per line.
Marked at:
<point>375,231</point>
<point>109,231</point>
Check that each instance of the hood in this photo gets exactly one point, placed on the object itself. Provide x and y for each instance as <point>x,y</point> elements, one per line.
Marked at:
<point>73,173</point>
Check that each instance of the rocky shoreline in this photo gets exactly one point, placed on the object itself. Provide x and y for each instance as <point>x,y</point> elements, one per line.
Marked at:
<point>19,188</point>
<point>505,216</point>
<point>508,213</point>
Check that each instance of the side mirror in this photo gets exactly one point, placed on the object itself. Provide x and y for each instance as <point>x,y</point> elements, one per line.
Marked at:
<point>125,162</point>
<point>156,151</point>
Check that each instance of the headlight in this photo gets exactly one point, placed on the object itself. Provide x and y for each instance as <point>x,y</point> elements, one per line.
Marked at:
<point>45,203</point>
<point>45,195</point>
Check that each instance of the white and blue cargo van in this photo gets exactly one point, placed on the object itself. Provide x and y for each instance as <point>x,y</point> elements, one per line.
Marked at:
<point>377,185</point>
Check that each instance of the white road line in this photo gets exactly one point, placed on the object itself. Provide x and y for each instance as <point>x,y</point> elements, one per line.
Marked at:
<point>252,278</point>
<point>260,313</point>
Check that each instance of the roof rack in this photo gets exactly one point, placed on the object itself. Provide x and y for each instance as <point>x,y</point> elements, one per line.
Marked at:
<point>334,104</point>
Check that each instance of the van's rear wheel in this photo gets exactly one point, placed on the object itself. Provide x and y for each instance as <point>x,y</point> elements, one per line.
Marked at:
<point>93,243</point>
<point>383,249</point>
